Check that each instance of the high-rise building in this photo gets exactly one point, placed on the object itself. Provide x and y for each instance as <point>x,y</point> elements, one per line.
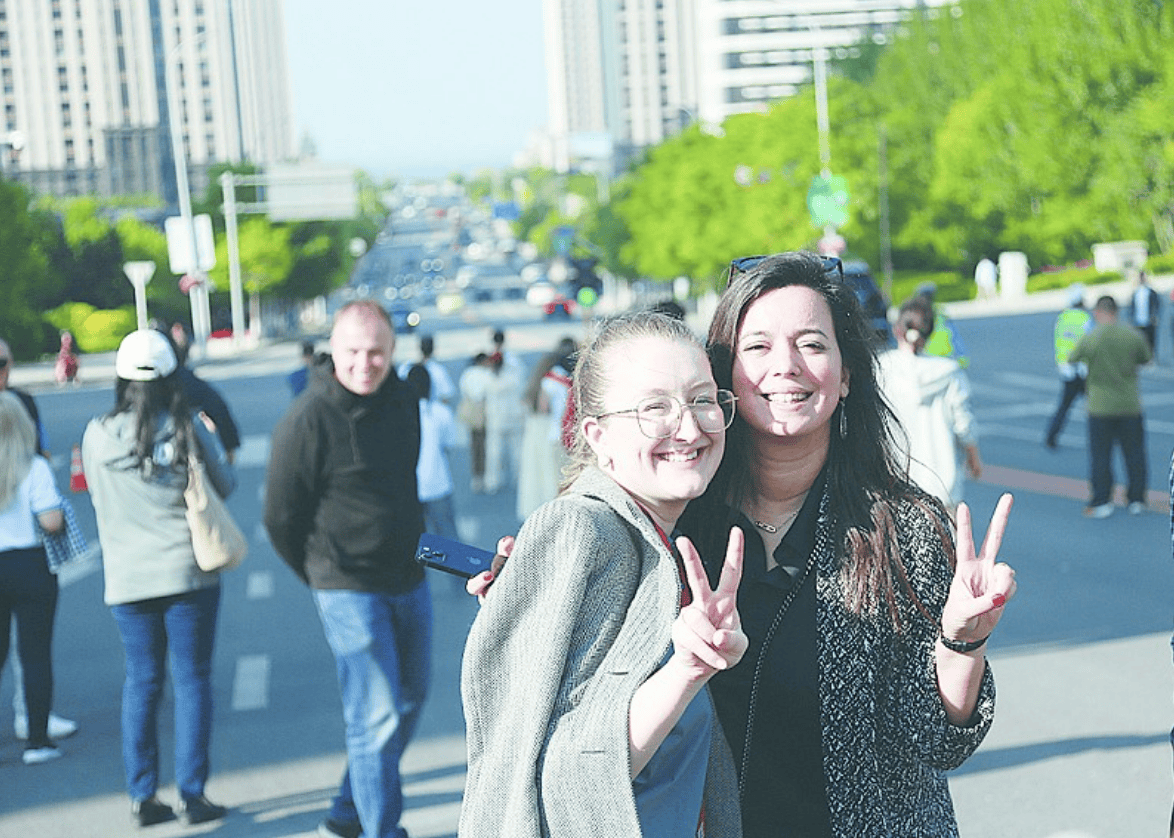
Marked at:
<point>86,105</point>
<point>657,66</point>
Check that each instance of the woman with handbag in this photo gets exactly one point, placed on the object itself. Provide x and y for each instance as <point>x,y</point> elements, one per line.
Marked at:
<point>136,461</point>
<point>28,590</point>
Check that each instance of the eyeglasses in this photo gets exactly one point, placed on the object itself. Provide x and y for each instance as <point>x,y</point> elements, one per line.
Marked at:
<point>831,266</point>
<point>659,417</point>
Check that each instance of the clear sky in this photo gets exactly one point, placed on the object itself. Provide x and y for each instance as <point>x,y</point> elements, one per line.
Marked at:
<point>416,87</point>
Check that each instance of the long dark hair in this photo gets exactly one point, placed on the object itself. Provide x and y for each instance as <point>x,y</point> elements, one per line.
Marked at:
<point>150,403</point>
<point>865,480</point>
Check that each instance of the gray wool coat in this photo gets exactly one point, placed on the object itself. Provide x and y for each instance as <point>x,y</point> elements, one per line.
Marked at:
<point>578,619</point>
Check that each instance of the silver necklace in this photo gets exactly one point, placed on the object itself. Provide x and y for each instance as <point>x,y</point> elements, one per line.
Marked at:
<point>774,528</point>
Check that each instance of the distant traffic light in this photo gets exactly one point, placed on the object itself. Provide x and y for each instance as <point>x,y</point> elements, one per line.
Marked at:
<point>584,279</point>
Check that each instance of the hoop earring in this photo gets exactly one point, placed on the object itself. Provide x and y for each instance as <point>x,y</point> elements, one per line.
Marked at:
<point>843,420</point>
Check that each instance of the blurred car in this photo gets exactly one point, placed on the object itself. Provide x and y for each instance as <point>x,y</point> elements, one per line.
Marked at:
<point>403,317</point>
<point>559,307</point>
<point>876,308</point>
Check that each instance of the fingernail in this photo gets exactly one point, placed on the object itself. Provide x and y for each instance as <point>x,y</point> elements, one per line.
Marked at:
<point>999,600</point>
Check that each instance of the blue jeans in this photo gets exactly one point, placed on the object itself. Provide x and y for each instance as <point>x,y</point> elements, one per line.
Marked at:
<point>1129,433</point>
<point>185,623</point>
<point>382,647</point>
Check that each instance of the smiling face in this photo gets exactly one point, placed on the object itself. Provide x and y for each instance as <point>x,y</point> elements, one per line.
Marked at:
<point>788,374</point>
<point>361,345</point>
<point>661,474</point>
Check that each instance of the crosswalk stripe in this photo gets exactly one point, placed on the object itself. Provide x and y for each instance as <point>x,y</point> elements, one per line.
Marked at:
<point>259,585</point>
<point>250,683</point>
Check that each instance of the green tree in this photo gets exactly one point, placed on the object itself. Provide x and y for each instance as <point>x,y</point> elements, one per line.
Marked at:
<point>25,267</point>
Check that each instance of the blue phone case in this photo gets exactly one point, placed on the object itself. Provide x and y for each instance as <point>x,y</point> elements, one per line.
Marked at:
<point>452,556</point>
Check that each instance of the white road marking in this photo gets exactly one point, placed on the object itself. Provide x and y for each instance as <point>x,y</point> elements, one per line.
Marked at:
<point>254,451</point>
<point>259,585</point>
<point>250,683</point>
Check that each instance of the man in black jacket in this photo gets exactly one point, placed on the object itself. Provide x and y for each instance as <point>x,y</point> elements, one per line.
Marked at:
<point>342,511</point>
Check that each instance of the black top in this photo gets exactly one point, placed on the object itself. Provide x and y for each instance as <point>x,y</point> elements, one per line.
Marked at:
<point>340,492</point>
<point>784,790</point>
<point>203,396</point>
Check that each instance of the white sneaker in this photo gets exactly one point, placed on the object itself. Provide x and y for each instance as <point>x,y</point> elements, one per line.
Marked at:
<point>59,727</point>
<point>1103,510</point>
<point>1136,508</point>
<point>46,753</point>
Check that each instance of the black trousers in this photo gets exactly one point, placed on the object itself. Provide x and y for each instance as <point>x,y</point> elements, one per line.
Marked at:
<point>1073,387</point>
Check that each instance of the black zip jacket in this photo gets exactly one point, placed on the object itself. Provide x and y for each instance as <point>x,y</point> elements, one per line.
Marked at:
<point>340,494</point>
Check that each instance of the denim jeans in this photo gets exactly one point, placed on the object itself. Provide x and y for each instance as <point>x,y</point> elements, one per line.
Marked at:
<point>1129,432</point>
<point>28,591</point>
<point>185,623</point>
<point>382,647</point>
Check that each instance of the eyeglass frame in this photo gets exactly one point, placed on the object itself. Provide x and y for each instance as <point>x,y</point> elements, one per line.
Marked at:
<point>732,401</point>
<point>832,265</point>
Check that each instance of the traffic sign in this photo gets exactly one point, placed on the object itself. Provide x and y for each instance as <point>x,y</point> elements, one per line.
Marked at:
<point>827,200</point>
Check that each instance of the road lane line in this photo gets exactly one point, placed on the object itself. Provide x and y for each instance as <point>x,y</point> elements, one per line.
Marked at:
<point>259,585</point>
<point>250,683</point>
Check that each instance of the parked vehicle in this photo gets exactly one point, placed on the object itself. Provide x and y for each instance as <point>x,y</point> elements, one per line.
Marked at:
<point>872,299</point>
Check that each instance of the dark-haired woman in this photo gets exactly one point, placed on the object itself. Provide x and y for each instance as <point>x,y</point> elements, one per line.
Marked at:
<point>136,463</point>
<point>865,677</point>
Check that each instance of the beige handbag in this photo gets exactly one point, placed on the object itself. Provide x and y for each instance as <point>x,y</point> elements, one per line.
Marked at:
<point>217,541</point>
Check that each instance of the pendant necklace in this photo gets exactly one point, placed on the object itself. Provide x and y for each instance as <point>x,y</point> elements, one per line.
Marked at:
<point>773,528</point>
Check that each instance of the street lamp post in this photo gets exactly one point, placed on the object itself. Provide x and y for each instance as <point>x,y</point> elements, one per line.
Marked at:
<point>201,316</point>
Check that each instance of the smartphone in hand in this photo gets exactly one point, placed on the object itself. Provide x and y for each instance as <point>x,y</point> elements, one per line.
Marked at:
<point>452,556</point>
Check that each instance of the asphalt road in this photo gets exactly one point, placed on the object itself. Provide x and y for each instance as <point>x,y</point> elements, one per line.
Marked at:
<point>1082,658</point>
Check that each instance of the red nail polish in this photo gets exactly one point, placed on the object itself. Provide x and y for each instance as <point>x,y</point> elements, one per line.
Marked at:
<point>999,600</point>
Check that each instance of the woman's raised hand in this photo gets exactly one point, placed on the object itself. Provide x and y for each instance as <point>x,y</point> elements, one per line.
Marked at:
<point>981,586</point>
<point>708,631</point>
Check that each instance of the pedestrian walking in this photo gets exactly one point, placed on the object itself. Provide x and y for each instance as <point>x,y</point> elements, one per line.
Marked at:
<point>504,417</point>
<point>944,341</point>
<point>544,456</point>
<point>583,678</point>
<point>443,390</point>
<point>438,434</point>
<point>471,411</point>
<point>1072,324</point>
<point>29,503</point>
<point>136,462</point>
<point>343,511</point>
<point>931,398</point>
<point>1113,353</point>
<point>59,726</point>
<point>202,396</point>
<point>1145,310</point>
<point>299,378</point>
<point>66,366</point>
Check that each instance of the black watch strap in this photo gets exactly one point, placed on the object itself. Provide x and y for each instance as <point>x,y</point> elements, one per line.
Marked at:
<point>961,646</point>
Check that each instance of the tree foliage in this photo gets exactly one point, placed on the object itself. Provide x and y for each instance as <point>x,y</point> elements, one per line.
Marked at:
<point>1041,127</point>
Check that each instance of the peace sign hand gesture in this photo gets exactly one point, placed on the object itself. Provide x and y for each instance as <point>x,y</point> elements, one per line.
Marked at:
<point>707,634</point>
<point>981,586</point>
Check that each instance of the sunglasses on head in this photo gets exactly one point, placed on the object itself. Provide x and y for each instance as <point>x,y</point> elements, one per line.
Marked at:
<point>831,266</point>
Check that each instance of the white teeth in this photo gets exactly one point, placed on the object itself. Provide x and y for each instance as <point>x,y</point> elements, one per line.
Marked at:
<point>787,398</point>
<point>680,456</point>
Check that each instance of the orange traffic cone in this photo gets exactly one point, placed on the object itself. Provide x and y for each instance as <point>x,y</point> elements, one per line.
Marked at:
<point>77,477</point>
